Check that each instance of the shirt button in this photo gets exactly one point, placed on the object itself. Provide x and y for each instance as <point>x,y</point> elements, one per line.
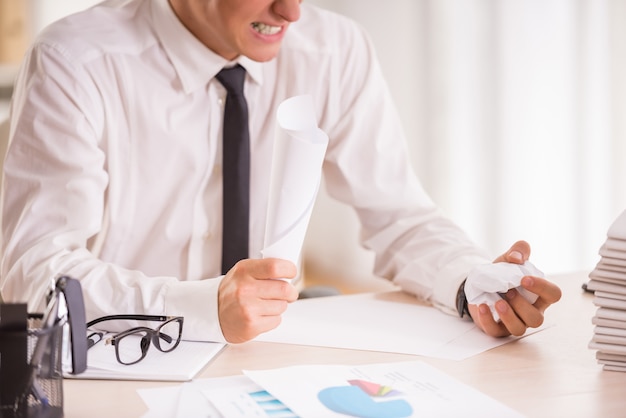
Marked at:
<point>206,235</point>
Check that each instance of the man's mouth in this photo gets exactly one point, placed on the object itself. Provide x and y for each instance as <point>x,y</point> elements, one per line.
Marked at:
<point>265,29</point>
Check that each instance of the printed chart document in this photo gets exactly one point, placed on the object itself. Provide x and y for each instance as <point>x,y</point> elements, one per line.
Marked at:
<point>393,322</point>
<point>390,390</point>
<point>404,389</point>
<point>181,364</point>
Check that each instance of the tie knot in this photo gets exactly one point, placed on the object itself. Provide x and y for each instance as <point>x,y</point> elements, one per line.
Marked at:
<point>232,79</point>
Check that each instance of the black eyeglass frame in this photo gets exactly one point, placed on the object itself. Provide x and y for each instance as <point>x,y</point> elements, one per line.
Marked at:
<point>155,335</point>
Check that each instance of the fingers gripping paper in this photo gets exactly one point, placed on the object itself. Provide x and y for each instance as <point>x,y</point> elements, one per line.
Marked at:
<point>299,149</point>
<point>485,283</point>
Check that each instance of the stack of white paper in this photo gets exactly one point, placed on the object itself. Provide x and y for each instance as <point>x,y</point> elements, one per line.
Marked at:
<point>608,282</point>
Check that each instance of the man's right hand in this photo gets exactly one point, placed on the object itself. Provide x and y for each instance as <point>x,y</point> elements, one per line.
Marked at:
<point>251,299</point>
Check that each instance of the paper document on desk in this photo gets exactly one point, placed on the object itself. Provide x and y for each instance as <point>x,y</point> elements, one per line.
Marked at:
<point>394,322</point>
<point>403,389</point>
<point>181,364</point>
<point>222,397</point>
<point>299,150</point>
<point>234,395</point>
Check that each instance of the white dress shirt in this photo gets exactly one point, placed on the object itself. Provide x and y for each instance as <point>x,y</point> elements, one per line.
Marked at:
<point>113,173</point>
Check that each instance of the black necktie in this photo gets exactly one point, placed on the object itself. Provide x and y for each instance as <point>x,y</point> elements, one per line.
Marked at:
<point>235,169</point>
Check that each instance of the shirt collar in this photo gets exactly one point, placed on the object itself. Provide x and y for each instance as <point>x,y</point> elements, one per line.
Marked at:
<point>194,63</point>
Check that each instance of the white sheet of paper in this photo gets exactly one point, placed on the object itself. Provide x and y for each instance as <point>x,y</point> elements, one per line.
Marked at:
<point>618,227</point>
<point>607,252</point>
<point>616,244</point>
<point>161,402</point>
<point>393,322</point>
<point>181,364</point>
<point>413,389</point>
<point>299,150</point>
<point>187,399</point>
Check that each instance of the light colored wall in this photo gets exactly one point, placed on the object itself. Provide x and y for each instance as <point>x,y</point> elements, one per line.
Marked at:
<point>44,12</point>
<point>511,110</point>
<point>332,248</point>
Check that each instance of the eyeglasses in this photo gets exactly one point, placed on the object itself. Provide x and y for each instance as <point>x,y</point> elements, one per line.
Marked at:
<point>131,346</point>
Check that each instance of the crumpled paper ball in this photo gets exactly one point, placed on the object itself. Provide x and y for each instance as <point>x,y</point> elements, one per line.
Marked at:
<point>485,283</point>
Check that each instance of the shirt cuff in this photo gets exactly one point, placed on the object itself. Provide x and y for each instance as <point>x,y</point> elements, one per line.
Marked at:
<point>196,301</point>
<point>450,280</point>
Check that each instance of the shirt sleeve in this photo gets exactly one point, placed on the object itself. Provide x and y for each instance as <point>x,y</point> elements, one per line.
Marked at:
<point>367,167</point>
<point>54,199</point>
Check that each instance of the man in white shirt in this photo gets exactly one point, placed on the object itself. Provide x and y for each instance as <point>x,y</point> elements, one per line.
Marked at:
<point>113,173</point>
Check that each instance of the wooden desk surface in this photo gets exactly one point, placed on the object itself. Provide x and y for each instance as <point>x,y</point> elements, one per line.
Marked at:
<point>548,374</point>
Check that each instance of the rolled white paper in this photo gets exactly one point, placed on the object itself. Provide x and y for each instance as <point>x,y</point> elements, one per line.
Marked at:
<point>299,150</point>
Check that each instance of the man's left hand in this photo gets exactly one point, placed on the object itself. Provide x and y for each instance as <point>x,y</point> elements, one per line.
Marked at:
<point>516,313</point>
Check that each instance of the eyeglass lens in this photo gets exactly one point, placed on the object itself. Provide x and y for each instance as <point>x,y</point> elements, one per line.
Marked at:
<point>133,345</point>
<point>168,335</point>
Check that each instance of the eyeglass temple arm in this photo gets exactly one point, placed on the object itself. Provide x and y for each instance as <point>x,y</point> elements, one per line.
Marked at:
<point>93,339</point>
<point>130,317</point>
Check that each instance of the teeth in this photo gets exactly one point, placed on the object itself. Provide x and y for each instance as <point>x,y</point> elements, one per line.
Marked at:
<point>264,29</point>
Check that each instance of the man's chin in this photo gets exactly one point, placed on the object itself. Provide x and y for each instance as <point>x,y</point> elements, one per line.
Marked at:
<point>263,54</point>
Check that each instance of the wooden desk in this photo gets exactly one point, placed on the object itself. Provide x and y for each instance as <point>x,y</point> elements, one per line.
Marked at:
<point>549,374</point>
